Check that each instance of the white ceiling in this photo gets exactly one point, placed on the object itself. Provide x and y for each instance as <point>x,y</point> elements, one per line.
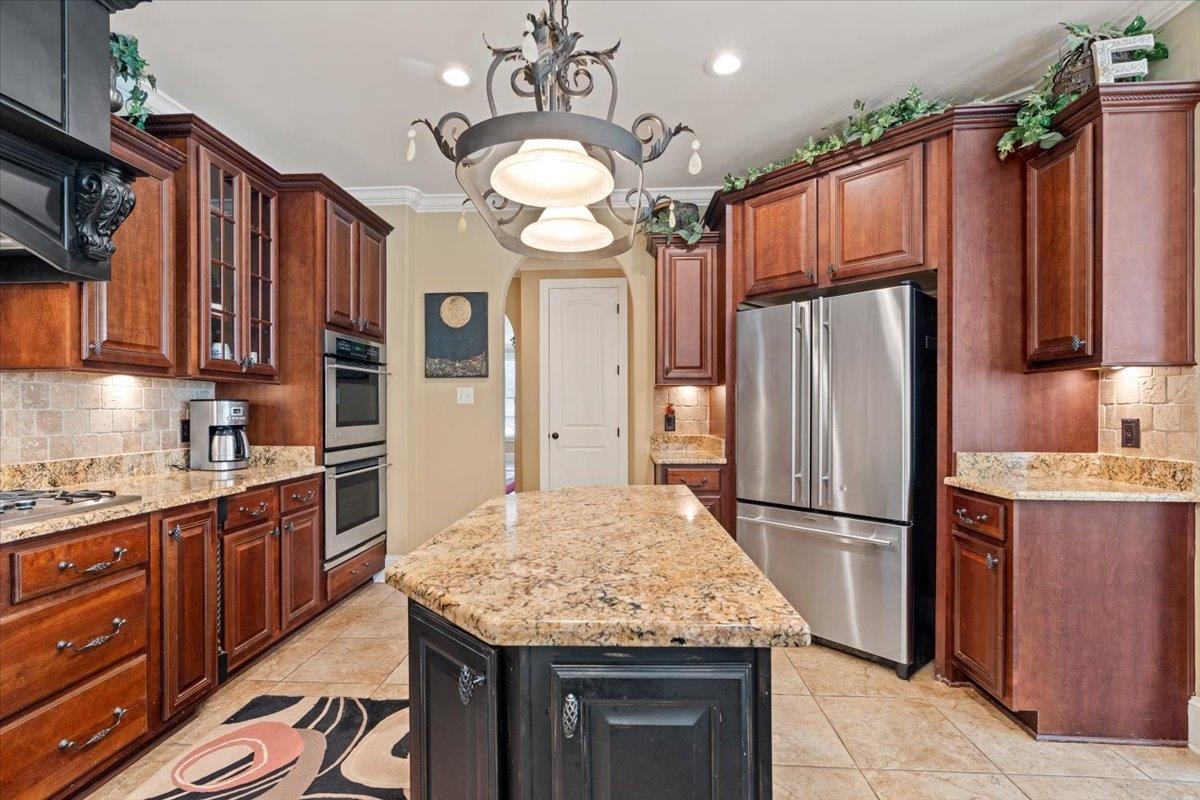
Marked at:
<point>332,86</point>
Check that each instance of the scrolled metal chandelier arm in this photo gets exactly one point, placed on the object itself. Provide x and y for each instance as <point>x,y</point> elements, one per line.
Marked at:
<point>447,131</point>
<point>655,135</point>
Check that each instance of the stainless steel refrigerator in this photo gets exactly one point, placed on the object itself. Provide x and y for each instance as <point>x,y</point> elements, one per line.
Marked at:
<point>835,464</point>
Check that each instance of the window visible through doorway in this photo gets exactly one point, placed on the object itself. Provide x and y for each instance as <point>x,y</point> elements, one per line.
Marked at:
<point>510,408</point>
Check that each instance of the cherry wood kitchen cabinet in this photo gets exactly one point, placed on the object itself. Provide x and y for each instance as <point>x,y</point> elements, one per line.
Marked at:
<point>226,221</point>
<point>781,239</point>
<point>1076,615</point>
<point>710,484</point>
<point>1109,231</point>
<point>188,539</point>
<point>300,539</point>
<point>125,324</point>
<point>688,301</point>
<point>250,590</point>
<point>355,270</point>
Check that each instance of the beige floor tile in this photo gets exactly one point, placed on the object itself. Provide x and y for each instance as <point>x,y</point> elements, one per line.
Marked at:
<point>926,686</point>
<point>218,708</point>
<point>391,691</point>
<point>895,785</point>
<point>820,783</point>
<point>1179,790</point>
<point>323,689</point>
<point>371,596</point>
<point>1016,752</point>
<point>801,736</point>
<point>123,784</point>
<point>784,677</point>
<point>901,733</point>
<point>1045,787</point>
<point>399,674</point>
<point>1163,763</point>
<point>385,621</point>
<point>280,663</point>
<point>830,672</point>
<point>352,661</point>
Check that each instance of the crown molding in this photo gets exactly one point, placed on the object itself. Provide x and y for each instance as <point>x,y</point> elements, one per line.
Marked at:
<point>424,203</point>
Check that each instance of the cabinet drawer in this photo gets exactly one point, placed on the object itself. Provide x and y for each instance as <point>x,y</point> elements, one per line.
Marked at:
<point>55,745</point>
<point>105,550</point>
<point>979,514</point>
<point>299,494</point>
<point>356,571</point>
<point>57,644</point>
<point>248,508</point>
<point>701,480</point>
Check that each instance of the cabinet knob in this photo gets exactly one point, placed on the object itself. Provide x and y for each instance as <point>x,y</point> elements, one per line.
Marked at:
<point>94,348</point>
<point>288,527</point>
<point>176,533</point>
<point>810,276</point>
<point>468,679</point>
<point>275,532</point>
<point>1077,344</point>
<point>554,435</point>
<point>992,562</point>
<point>831,269</point>
<point>570,715</point>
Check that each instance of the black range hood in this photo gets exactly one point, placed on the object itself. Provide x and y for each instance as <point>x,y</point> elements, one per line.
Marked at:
<point>62,194</point>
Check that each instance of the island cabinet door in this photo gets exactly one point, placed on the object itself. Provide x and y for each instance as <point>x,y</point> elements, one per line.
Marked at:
<point>653,732</point>
<point>454,712</point>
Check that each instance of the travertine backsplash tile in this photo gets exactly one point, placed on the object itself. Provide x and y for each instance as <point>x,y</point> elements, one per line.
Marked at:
<point>1162,398</point>
<point>54,415</point>
<point>691,408</point>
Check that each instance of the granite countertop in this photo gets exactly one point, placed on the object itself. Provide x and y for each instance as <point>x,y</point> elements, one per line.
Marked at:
<point>621,566</point>
<point>1096,477</point>
<point>682,448</point>
<point>162,491</point>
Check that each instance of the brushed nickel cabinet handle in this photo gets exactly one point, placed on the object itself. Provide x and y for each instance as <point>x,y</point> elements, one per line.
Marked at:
<point>94,348</point>
<point>275,532</point>
<point>95,738</point>
<point>288,527</point>
<point>570,715</point>
<point>95,641</point>
<point>468,679</point>
<point>965,516</point>
<point>831,269</point>
<point>176,533</point>
<point>309,495</point>
<point>262,509</point>
<point>100,566</point>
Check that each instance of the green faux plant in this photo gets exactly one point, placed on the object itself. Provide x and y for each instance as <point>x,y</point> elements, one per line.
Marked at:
<point>688,225</point>
<point>862,126</point>
<point>1039,107</point>
<point>129,64</point>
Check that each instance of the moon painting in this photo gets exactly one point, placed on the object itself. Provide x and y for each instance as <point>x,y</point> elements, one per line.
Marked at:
<point>456,329</point>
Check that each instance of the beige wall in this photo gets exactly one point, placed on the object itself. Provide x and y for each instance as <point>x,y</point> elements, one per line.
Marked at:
<point>448,458</point>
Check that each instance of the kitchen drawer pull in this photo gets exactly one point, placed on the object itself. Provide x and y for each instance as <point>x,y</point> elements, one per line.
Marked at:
<point>468,679</point>
<point>992,562</point>
<point>978,519</point>
<point>570,715</point>
<point>698,485</point>
<point>309,495</point>
<point>263,505</point>
<point>813,531</point>
<point>95,738</point>
<point>94,642</point>
<point>99,566</point>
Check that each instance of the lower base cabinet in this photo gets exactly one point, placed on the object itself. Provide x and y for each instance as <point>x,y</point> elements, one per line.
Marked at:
<point>250,569</point>
<point>585,723</point>
<point>300,536</point>
<point>188,538</point>
<point>707,482</point>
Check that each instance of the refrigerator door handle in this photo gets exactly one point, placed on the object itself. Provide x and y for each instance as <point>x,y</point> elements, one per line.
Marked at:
<point>800,344</point>
<point>827,535</point>
<point>824,406</point>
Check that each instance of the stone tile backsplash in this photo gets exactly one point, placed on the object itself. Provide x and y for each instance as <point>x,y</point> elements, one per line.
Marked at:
<point>691,408</point>
<point>1162,398</point>
<point>53,415</point>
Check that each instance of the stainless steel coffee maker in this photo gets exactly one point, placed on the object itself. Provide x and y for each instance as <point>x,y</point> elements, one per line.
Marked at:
<point>219,441</point>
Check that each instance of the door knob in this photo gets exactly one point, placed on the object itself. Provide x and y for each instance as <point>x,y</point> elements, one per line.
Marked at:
<point>554,435</point>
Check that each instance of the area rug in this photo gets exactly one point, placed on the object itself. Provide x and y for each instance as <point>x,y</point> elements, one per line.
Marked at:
<point>292,748</point>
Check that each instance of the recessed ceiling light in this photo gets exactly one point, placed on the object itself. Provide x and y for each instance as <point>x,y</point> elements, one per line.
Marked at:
<point>724,63</point>
<point>455,75</point>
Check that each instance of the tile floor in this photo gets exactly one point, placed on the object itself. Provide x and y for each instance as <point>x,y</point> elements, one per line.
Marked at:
<point>843,729</point>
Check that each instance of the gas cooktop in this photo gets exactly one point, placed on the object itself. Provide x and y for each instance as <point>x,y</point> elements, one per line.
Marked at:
<point>32,505</point>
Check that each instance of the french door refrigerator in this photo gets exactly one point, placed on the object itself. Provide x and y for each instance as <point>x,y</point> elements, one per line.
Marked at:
<point>835,464</point>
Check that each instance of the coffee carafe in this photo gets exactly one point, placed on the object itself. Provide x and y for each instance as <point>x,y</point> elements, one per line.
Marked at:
<point>219,440</point>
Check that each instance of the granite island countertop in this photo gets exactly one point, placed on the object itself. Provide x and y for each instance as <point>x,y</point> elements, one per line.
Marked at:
<point>620,566</point>
<point>170,489</point>
<point>1096,477</point>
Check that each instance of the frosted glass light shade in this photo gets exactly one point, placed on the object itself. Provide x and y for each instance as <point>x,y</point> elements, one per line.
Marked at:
<point>552,173</point>
<point>566,230</point>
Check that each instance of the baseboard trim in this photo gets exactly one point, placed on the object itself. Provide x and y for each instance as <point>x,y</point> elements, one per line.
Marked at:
<point>387,562</point>
<point>1194,724</point>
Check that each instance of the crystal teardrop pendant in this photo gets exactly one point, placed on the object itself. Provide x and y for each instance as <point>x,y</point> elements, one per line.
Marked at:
<point>411,151</point>
<point>462,222</point>
<point>694,164</point>
<point>671,214</point>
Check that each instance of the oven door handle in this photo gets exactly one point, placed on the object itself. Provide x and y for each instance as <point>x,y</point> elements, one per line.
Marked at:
<point>333,365</point>
<point>334,476</point>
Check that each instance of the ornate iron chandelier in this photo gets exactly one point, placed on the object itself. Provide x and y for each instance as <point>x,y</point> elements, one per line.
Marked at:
<point>544,180</point>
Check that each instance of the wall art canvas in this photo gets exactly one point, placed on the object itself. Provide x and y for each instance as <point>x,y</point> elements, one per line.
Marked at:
<point>456,335</point>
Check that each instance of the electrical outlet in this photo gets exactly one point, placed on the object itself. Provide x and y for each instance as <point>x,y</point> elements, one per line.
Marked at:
<point>1131,433</point>
<point>466,395</point>
<point>185,431</point>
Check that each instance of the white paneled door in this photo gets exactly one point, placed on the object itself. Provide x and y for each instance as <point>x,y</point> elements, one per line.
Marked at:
<point>583,383</point>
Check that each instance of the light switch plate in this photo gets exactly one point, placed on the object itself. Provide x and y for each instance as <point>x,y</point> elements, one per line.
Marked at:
<point>466,395</point>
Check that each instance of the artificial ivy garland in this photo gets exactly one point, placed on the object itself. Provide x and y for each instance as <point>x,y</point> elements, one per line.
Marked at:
<point>129,64</point>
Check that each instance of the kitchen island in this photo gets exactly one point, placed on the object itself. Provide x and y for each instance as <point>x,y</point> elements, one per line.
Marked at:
<point>601,642</point>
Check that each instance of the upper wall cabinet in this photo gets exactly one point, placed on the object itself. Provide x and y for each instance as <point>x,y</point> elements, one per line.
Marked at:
<point>688,313</point>
<point>226,222</point>
<point>1109,231</point>
<point>125,324</point>
<point>355,272</point>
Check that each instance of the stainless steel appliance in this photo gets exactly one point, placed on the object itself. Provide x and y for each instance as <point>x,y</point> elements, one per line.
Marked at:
<point>355,392</point>
<point>219,440</point>
<point>835,464</point>
<point>19,506</point>
<point>355,501</point>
